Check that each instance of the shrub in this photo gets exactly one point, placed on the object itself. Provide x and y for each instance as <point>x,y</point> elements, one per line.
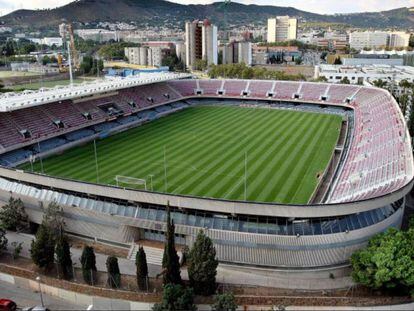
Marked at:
<point>114,275</point>
<point>88,262</point>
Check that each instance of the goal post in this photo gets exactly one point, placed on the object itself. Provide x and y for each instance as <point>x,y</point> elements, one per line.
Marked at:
<point>127,180</point>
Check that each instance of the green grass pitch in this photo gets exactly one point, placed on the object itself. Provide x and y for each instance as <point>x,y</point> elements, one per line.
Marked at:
<point>205,150</point>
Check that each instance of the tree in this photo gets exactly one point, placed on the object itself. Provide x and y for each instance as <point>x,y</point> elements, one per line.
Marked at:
<point>338,61</point>
<point>202,267</point>
<point>224,302</point>
<point>170,260</point>
<point>114,275</point>
<point>387,262</point>
<point>13,216</point>
<point>321,79</point>
<point>88,262</point>
<point>17,249</point>
<point>405,84</point>
<point>46,60</point>
<point>86,64</point>
<point>345,80</point>
<point>298,61</point>
<point>200,64</point>
<point>53,218</point>
<point>410,122</point>
<point>142,269</point>
<point>8,49</point>
<point>380,83</point>
<point>115,50</point>
<point>403,101</point>
<point>63,258</point>
<point>3,240</point>
<point>176,297</point>
<point>43,247</point>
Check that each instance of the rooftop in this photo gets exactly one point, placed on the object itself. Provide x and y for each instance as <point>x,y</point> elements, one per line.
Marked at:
<point>14,101</point>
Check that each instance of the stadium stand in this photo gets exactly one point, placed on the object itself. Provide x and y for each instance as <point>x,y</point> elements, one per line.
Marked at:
<point>49,144</point>
<point>365,197</point>
<point>260,88</point>
<point>286,90</point>
<point>10,158</point>
<point>211,87</point>
<point>379,129</point>
<point>234,88</point>
<point>313,91</point>
<point>184,87</point>
<point>79,134</point>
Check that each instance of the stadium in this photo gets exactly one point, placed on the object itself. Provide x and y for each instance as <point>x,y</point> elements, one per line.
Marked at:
<point>279,174</point>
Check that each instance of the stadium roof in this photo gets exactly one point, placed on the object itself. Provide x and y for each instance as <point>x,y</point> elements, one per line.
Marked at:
<point>14,101</point>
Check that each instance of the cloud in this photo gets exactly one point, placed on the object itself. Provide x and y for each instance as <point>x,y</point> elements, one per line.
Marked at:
<point>317,6</point>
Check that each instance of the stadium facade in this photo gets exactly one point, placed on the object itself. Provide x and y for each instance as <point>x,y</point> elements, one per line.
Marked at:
<point>361,193</point>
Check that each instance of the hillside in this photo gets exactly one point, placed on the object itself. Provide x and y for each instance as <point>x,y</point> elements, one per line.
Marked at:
<point>156,12</point>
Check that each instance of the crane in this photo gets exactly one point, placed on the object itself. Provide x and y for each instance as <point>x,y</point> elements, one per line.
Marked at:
<point>75,56</point>
<point>224,5</point>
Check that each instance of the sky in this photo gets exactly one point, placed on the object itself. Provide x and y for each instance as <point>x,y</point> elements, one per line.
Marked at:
<point>317,6</point>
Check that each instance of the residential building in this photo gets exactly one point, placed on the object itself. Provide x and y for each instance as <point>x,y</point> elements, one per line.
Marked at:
<point>364,74</point>
<point>368,39</point>
<point>281,28</point>
<point>377,39</point>
<point>245,53</point>
<point>180,50</point>
<point>227,51</point>
<point>399,39</point>
<point>263,55</point>
<point>99,35</point>
<point>237,52</point>
<point>137,55</point>
<point>201,42</point>
<point>146,56</point>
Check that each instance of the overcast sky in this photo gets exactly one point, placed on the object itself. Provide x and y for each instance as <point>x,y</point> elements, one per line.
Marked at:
<point>317,6</point>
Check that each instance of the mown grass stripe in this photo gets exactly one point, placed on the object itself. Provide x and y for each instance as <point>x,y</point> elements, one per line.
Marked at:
<point>206,146</point>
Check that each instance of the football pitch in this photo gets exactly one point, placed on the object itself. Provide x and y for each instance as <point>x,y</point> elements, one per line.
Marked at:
<point>227,152</point>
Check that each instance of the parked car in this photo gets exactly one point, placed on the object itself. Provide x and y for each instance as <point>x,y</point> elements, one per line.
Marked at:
<point>7,305</point>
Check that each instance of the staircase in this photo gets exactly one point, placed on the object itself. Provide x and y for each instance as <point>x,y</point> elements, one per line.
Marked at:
<point>153,254</point>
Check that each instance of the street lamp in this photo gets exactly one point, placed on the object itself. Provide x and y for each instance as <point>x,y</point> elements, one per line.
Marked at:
<point>40,290</point>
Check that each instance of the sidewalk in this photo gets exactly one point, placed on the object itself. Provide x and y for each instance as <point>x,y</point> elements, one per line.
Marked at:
<point>226,274</point>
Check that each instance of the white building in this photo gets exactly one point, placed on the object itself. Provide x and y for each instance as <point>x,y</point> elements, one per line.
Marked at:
<point>359,40</point>
<point>210,45</point>
<point>399,39</point>
<point>49,41</point>
<point>282,28</point>
<point>245,53</point>
<point>137,55</point>
<point>200,43</point>
<point>155,56</point>
<point>144,56</point>
<point>364,74</point>
<point>100,35</point>
<point>180,50</point>
<point>378,39</point>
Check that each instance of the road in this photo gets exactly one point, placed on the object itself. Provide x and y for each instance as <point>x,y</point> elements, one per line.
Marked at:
<point>27,298</point>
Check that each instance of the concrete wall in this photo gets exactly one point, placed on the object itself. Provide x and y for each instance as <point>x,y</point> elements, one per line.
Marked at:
<point>102,303</point>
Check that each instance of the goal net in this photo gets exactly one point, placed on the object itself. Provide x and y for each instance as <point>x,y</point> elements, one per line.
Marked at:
<point>131,182</point>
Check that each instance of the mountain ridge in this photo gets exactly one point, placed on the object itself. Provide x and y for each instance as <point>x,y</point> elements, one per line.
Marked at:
<point>158,12</point>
